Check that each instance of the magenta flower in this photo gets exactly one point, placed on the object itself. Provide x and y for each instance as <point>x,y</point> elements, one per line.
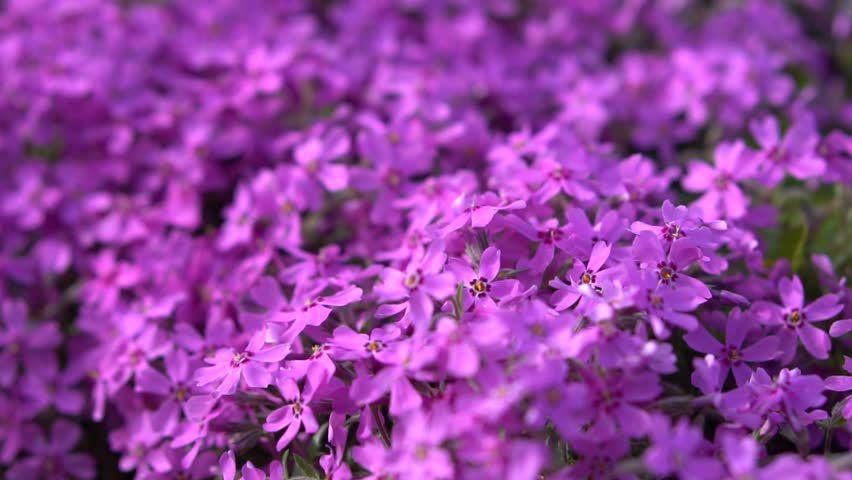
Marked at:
<point>567,294</point>
<point>722,197</point>
<point>731,354</point>
<point>549,236</point>
<point>707,377</point>
<point>423,239</point>
<point>52,457</point>
<point>842,383</point>
<point>250,364</point>
<point>406,359</point>
<point>679,222</point>
<point>480,289</point>
<point>32,198</point>
<point>477,211</point>
<point>45,385</point>
<point>21,339</point>
<point>307,307</point>
<point>346,344</point>
<point>796,320</point>
<point>616,400</point>
<point>665,305</point>
<point>670,266</point>
<point>417,451</point>
<point>422,282</point>
<point>316,154</point>
<point>175,386</point>
<point>680,450</point>
<point>295,415</point>
<point>765,402</point>
<point>794,153</point>
<point>228,467</point>
<point>569,177</point>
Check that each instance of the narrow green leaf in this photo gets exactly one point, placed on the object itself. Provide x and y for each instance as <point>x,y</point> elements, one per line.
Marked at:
<point>458,307</point>
<point>304,468</point>
<point>284,458</point>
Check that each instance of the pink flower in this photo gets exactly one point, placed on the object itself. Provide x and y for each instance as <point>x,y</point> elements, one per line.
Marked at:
<point>722,196</point>
<point>250,364</point>
<point>796,320</point>
<point>422,282</point>
<point>480,288</point>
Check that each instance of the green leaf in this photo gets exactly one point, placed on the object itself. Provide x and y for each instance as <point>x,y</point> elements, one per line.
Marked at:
<point>318,440</point>
<point>304,469</point>
<point>458,306</point>
<point>284,463</point>
<point>792,240</point>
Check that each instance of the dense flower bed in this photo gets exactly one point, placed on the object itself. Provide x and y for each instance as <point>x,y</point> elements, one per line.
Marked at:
<point>425,239</point>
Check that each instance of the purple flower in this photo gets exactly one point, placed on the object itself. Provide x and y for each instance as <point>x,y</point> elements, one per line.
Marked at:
<point>707,377</point>
<point>32,200</point>
<point>550,237</point>
<point>175,386</point>
<point>293,416</point>
<point>765,402</point>
<point>795,319</point>
<point>307,307</point>
<point>740,453</point>
<point>680,450</point>
<point>478,211</point>
<point>422,282</point>
<point>731,354</point>
<point>480,288</point>
<point>679,222</point>
<point>21,340</point>
<point>842,383</point>
<point>670,265</point>
<point>52,457</point>
<point>723,197</point>
<point>250,364</point>
<point>228,467</point>
<point>417,451</point>
<point>795,153</point>
<point>347,344</point>
<point>316,154</point>
<point>580,275</point>
<point>406,359</point>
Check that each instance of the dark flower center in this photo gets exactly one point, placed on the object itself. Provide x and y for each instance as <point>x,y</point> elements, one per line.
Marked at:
<point>795,318</point>
<point>412,281</point>
<point>479,287</point>
<point>778,155</point>
<point>672,231</point>
<point>554,395</point>
<point>393,178</point>
<point>181,393</point>
<point>309,304</point>
<point>421,453</point>
<point>240,358</point>
<point>559,174</point>
<point>734,356</point>
<point>374,346</point>
<point>550,236</point>
<point>667,272</point>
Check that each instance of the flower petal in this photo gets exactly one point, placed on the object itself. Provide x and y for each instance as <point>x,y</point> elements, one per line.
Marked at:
<point>815,341</point>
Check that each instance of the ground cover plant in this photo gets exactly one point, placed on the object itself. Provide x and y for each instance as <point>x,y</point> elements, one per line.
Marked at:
<point>425,239</point>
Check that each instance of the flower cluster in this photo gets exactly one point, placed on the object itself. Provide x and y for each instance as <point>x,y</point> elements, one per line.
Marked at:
<point>411,239</point>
